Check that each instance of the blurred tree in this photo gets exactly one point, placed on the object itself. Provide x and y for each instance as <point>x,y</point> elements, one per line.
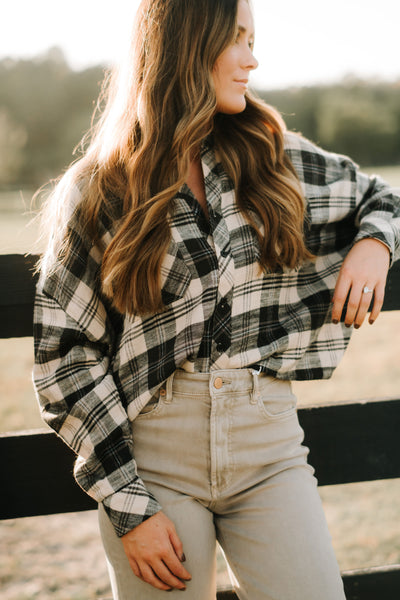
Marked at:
<point>359,123</point>
<point>53,104</point>
<point>358,118</point>
<point>12,141</point>
<point>298,108</point>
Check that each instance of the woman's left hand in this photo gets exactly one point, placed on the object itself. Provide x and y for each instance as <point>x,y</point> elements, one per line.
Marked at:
<point>365,266</point>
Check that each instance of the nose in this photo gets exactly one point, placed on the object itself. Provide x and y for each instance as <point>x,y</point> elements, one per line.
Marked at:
<point>250,62</point>
<point>254,63</point>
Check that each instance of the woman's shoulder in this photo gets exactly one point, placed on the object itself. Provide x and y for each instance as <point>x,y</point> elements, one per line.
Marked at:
<point>72,245</point>
<point>295,142</point>
<point>315,164</point>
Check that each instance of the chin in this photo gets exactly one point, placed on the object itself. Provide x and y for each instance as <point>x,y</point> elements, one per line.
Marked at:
<point>232,108</point>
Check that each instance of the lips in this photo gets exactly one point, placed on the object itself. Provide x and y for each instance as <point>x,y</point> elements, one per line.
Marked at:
<point>242,82</point>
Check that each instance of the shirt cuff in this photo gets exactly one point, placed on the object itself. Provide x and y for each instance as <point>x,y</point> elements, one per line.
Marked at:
<point>130,506</point>
<point>381,231</point>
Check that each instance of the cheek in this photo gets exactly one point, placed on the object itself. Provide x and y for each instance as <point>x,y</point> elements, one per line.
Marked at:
<point>225,64</point>
<point>216,75</point>
<point>219,86</point>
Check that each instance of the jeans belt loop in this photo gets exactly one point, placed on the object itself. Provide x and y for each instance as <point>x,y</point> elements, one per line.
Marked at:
<point>168,389</point>
<point>255,393</point>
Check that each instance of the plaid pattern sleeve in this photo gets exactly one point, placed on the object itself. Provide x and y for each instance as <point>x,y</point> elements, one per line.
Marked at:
<point>341,197</point>
<point>379,214</point>
<point>77,393</point>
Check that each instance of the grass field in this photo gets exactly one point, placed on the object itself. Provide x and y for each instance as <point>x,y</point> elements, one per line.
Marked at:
<point>59,557</point>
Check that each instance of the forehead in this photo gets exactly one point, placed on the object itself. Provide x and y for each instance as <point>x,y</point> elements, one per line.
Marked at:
<point>245,19</point>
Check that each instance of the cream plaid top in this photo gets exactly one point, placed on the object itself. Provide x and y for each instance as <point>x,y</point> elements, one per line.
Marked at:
<point>96,369</point>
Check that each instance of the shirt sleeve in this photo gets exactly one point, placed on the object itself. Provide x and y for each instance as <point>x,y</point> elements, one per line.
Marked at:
<point>378,214</point>
<point>77,394</point>
<point>338,193</point>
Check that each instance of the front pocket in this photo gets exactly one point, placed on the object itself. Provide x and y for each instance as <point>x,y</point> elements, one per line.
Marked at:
<point>277,401</point>
<point>152,408</point>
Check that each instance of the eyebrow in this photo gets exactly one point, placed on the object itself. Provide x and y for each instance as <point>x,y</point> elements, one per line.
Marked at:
<point>243,30</point>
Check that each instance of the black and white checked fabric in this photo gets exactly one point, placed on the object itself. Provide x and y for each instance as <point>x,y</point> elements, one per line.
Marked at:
<point>95,370</point>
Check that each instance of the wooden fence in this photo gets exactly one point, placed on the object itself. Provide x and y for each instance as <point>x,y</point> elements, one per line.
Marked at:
<point>348,441</point>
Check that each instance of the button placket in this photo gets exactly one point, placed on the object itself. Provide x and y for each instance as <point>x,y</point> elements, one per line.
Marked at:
<point>222,325</point>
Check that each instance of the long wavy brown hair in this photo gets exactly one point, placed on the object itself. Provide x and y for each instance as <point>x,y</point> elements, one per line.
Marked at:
<point>159,107</point>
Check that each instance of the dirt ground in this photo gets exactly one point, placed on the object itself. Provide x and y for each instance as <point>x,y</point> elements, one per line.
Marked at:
<point>59,557</point>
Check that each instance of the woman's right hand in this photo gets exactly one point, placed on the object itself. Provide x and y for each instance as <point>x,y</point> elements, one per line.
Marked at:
<point>155,553</point>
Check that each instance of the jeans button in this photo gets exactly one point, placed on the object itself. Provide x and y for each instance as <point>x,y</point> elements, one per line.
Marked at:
<point>218,383</point>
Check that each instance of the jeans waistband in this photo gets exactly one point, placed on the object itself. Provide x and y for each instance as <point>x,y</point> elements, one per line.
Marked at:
<point>221,382</point>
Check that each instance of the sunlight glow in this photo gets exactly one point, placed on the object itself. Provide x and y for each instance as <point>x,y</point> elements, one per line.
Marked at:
<point>297,43</point>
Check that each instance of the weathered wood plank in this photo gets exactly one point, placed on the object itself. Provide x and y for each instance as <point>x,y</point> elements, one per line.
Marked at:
<point>380,583</point>
<point>226,595</point>
<point>348,442</point>
<point>392,291</point>
<point>17,285</point>
<point>355,441</point>
<point>36,474</point>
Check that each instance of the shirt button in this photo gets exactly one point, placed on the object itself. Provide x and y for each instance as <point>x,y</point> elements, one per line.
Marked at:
<point>218,383</point>
<point>223,305</point>
<point>220,347</point>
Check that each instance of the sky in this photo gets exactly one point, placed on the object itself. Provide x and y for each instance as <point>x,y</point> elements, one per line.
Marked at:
<point>298,42</point>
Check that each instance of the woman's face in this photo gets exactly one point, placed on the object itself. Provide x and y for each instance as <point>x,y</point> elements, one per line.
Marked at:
<point>232,68</point>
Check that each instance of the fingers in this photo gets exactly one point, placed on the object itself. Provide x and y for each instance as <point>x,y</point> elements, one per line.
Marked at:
<point>342,289</point>
<point>147,575</point>
<point>176,567</point>
<point>163,572</point>
<point>135,567</point>
<point>159,576</point>
<point>364,302</point>
<point>361,280</point>
<point>176,544</point>
<point>379,295</point>
<point>155,553</point>
<point>358,305</point>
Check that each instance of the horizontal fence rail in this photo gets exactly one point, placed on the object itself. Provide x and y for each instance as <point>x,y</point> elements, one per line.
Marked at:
<point>378,583</point>
<point>348,442</point>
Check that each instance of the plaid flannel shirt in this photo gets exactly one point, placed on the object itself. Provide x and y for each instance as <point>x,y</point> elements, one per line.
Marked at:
<point>95,369</point>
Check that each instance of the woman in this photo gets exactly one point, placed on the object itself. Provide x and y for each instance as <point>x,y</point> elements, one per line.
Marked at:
<point>200,259</point>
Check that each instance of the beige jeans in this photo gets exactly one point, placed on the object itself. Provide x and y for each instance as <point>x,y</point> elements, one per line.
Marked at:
<point>222,453</point>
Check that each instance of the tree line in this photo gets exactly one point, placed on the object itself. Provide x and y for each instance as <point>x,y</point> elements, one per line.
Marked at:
<point>46,107</point>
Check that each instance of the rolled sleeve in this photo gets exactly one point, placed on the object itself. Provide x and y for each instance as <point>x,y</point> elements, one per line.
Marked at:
<point>78,397</point>
<point>130,506</point>
<point>379,214</point>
